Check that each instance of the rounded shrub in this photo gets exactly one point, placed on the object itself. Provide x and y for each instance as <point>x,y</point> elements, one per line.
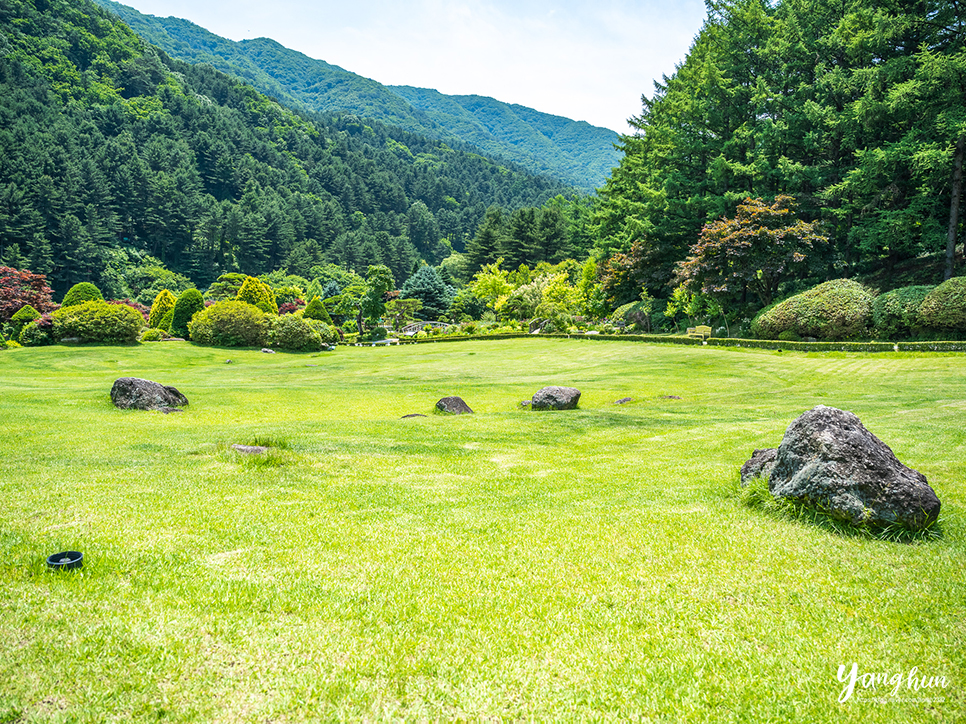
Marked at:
<point>944,308</point>
<point>98,321</point>
<point>229,324</point>
<point>189,303</point>
<point>152,335</point>
<point>329,333</point>
<point>293,333</point>
<point>258,294</point>
<point>316,310</point>
<point>163,303</point>
<point>10,344</point>
<point>895,314</point>
<point>24,316</point>
<point>835,310</point>
<point>80,293</point>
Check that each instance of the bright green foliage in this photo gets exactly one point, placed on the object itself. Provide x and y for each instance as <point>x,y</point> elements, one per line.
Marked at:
<point>258,294</point>
<point>98,321</point>
<point>163,303</point>
<point>944,308</point>
<point>10,344</point>
<point>895,313</point>
<point>327,332</point>
<point>189,303</point>
<point>23,317</point>
<point>226,287</point>
<point>152,335</point>
<point>839,309</point>
<point>80,293</point>
<point>379,281</point>
<point>293,333</point>
<point>316,310</point>
<point>466,306</point>
<point>230,323</point>
<point>165,324</point>
<point>36,335</point>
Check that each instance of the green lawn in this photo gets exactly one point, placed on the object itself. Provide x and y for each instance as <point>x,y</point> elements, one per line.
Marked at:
<point>588,564</point>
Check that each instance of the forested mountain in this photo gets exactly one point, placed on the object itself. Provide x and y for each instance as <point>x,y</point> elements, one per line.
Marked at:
<point>575,152</point>
<point>855,108</point>
<point>109,150</point>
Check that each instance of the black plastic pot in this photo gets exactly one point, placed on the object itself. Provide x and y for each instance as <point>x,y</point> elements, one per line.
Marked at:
<point>66,561</point>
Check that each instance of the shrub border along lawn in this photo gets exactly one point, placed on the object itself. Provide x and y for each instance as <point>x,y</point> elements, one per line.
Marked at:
<point>773,344</point>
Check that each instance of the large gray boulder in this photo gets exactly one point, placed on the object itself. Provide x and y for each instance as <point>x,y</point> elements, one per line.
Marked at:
<point>133,393</point>
<point>453,406</point>
<point>828,460</point>
<point>556,398</point>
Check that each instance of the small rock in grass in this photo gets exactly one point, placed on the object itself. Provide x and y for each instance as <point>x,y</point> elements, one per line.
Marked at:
<point>266,350</point>
<point>169,410</point>
<point>624,400</point>
<point>415,414</point>
<point>250,449</point>
<point>670,397</point>
<point>556,398</point>
<point>759,465</point>
<point>227,361</point>
<point>526,403</point>
<point>453,406</point>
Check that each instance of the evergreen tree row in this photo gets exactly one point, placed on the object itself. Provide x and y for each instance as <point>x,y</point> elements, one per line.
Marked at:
<point>109,147</point>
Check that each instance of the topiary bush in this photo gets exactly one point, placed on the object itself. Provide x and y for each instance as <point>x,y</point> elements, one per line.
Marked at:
<point>895,314</point>
<point>189,303</point>
<point>839,309</point>
<point>258,294</point>
<point>329,333</point>
<point>163,303</point>
<point>293,333</point>
<point>24,316</point>
<point>316,310</point>
<point>98,321</point>
<point>80,293</point>
<point>944,308</point>
<point>152,335</point>
<point>229,324</point>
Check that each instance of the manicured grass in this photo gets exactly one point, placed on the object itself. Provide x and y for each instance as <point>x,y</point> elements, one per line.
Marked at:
<point>589,564</point>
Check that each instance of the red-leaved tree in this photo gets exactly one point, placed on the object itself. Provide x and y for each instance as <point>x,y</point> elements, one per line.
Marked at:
<point>20,288</point>
<point>758,249</point>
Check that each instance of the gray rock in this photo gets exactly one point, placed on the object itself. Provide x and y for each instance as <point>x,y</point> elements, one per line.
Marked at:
<point>828,460</point>
<point>624,400</point>
<point>133,393</point>
<point>760,465</point>
<point>250,449</point>
<point>556,398</point>
<point>266,350</point>
<point>670,397</point>
<point>453,406</point>
<point>71,340</point>
<point>526,403</point>
<point>415,414</point>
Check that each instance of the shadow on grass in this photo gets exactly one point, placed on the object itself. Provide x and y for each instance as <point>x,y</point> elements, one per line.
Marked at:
<point>757,496</point>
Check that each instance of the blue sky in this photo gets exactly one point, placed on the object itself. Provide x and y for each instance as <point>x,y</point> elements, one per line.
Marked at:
<point>589,61</point>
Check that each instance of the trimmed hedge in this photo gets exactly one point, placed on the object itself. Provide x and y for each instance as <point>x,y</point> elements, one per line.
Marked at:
<point>836,310</point>
<point>315,309</point>
<point>229,324</point>
<point>944,308</point>
<point>895,313</point>
<point>292,333</point>
<point>23,316</point>
<point>98,321</point>
<point>258,294</point>
<point>80,293</point>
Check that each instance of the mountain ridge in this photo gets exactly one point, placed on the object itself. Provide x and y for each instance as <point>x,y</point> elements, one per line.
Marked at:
<point>575,152</point>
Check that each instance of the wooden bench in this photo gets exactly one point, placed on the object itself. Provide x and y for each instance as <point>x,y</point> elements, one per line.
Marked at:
<point>701,331</point>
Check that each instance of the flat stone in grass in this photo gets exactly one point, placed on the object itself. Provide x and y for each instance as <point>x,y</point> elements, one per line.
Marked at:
<point>556,398</point>
<point>829,461</point>
<point>624,400</point>
<point>133,393</point>
<point>250,449</point>
<point>266,350</point>
<point>453,406</point>
<point>415,414</point>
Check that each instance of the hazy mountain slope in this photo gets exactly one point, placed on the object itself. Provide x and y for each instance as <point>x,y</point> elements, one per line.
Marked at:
<point>574,152</point>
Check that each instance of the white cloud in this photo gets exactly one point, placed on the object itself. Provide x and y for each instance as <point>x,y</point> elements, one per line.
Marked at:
<point>586,61</point>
